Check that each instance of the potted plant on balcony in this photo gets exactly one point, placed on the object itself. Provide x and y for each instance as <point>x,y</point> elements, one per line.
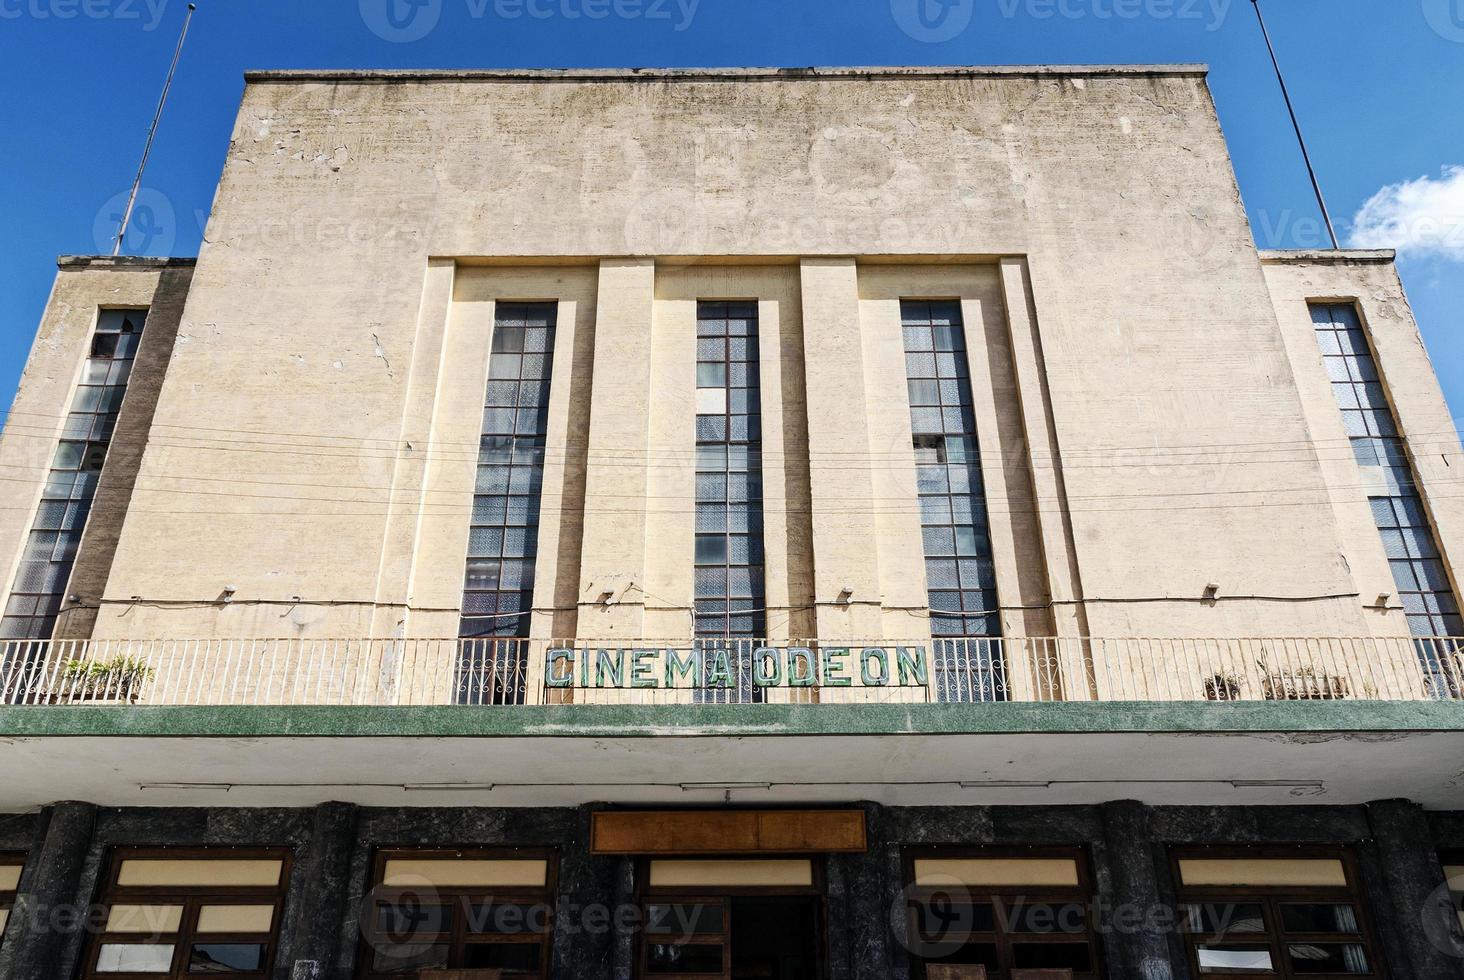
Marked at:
<point>102,681</point>
<point>1222,687</point>
<point>1303,684</point>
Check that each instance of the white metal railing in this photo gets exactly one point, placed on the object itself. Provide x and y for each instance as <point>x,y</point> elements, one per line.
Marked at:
<point>517,672</point>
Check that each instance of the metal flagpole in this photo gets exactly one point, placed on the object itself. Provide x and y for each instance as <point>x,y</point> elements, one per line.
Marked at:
<point>1310,170</point>
<point>152,133</point>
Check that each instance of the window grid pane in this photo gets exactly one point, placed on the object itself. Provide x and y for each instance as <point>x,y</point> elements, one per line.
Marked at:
<point>498,586</point>
<point>1408,538</point>
<point>50,551</point>
<point>729,542</point>
<point>960,572</point>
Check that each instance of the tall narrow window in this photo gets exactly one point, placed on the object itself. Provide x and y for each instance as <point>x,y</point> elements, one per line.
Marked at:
<point>50,550</point>
<point>729,595</point>
<point>498,588</point>
<point>729,542</point>
<point>960,575</point>
<point>1413,551</point>
<point>498,591</point>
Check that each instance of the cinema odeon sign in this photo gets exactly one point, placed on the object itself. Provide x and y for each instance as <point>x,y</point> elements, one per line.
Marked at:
<point>733,667</point>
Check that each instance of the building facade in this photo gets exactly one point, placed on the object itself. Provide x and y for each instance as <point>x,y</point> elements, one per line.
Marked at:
<point>844,523</point>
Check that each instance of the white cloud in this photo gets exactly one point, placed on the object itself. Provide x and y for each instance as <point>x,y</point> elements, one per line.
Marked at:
<point>1422,217</point>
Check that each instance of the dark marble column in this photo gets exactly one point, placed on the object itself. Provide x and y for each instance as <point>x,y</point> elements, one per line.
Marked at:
<point>1407,866</point>
<point>622,941</point>
<point>321,911</point>
<point>860,900</point>
<point>596,895</point>
<point>48,921</point>
<point>1137,941</point>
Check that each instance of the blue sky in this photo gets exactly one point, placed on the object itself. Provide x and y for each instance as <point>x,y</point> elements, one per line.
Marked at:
<point>1377,85</point>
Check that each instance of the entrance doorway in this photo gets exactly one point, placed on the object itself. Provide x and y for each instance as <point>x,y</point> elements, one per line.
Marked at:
<point>775,938</point>
<point>733,920</point>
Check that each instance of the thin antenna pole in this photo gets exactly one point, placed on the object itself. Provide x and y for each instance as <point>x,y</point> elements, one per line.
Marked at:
<point>152,133</point>
<point>1310,170</point>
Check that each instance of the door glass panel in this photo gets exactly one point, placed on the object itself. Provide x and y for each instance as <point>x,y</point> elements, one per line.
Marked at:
<point>509,918</point>
<point>129,958</point>
<point>1223,918</point>
<point>684,958</point>
<point>1327,958</point>
<point>226,958</point>
<point>512,957</point>
<point>409,958</point>
<point>685,919</point>
<point>941,919</point>
<point>1235,959</point>
<point>1044,917</point>
<point>1319,918</point>
<point>1052,956</point>
<point>400,921</point>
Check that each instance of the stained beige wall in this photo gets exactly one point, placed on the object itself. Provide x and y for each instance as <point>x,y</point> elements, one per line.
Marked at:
<point>440,535</point>
<point>83,287</point>
<point>1370,282</point>
<point>1095,208</point>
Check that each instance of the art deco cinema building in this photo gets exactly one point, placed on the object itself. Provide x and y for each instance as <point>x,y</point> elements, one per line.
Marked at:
<point>846,524</point>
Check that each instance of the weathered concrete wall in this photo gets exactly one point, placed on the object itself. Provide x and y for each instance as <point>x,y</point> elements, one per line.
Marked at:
<point>1148,346</point>
<point>1370,281</point>
<point>83,287</point>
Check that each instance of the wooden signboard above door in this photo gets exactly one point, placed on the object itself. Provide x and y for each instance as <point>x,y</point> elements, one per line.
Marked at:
<point>728,832</point>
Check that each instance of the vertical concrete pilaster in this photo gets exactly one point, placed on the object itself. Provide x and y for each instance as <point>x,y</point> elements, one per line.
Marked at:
<point>406,476</point>
<point>1134,949</point>
<point>1044,454</point>
<point>45,929</point>
<point>842,488</point>
<point>1407,866</point>
<point>613,558</point>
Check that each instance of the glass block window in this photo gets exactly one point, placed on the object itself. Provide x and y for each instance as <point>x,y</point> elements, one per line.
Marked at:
<point>960,575</point>
<point>498,588</point>
<point>729,542</point>
<point>50,550</point>
<point>1418,568</point>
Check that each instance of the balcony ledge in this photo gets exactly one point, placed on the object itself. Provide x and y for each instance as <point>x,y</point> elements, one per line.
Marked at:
<point>1044,754</point>
<point>1299,719</point>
